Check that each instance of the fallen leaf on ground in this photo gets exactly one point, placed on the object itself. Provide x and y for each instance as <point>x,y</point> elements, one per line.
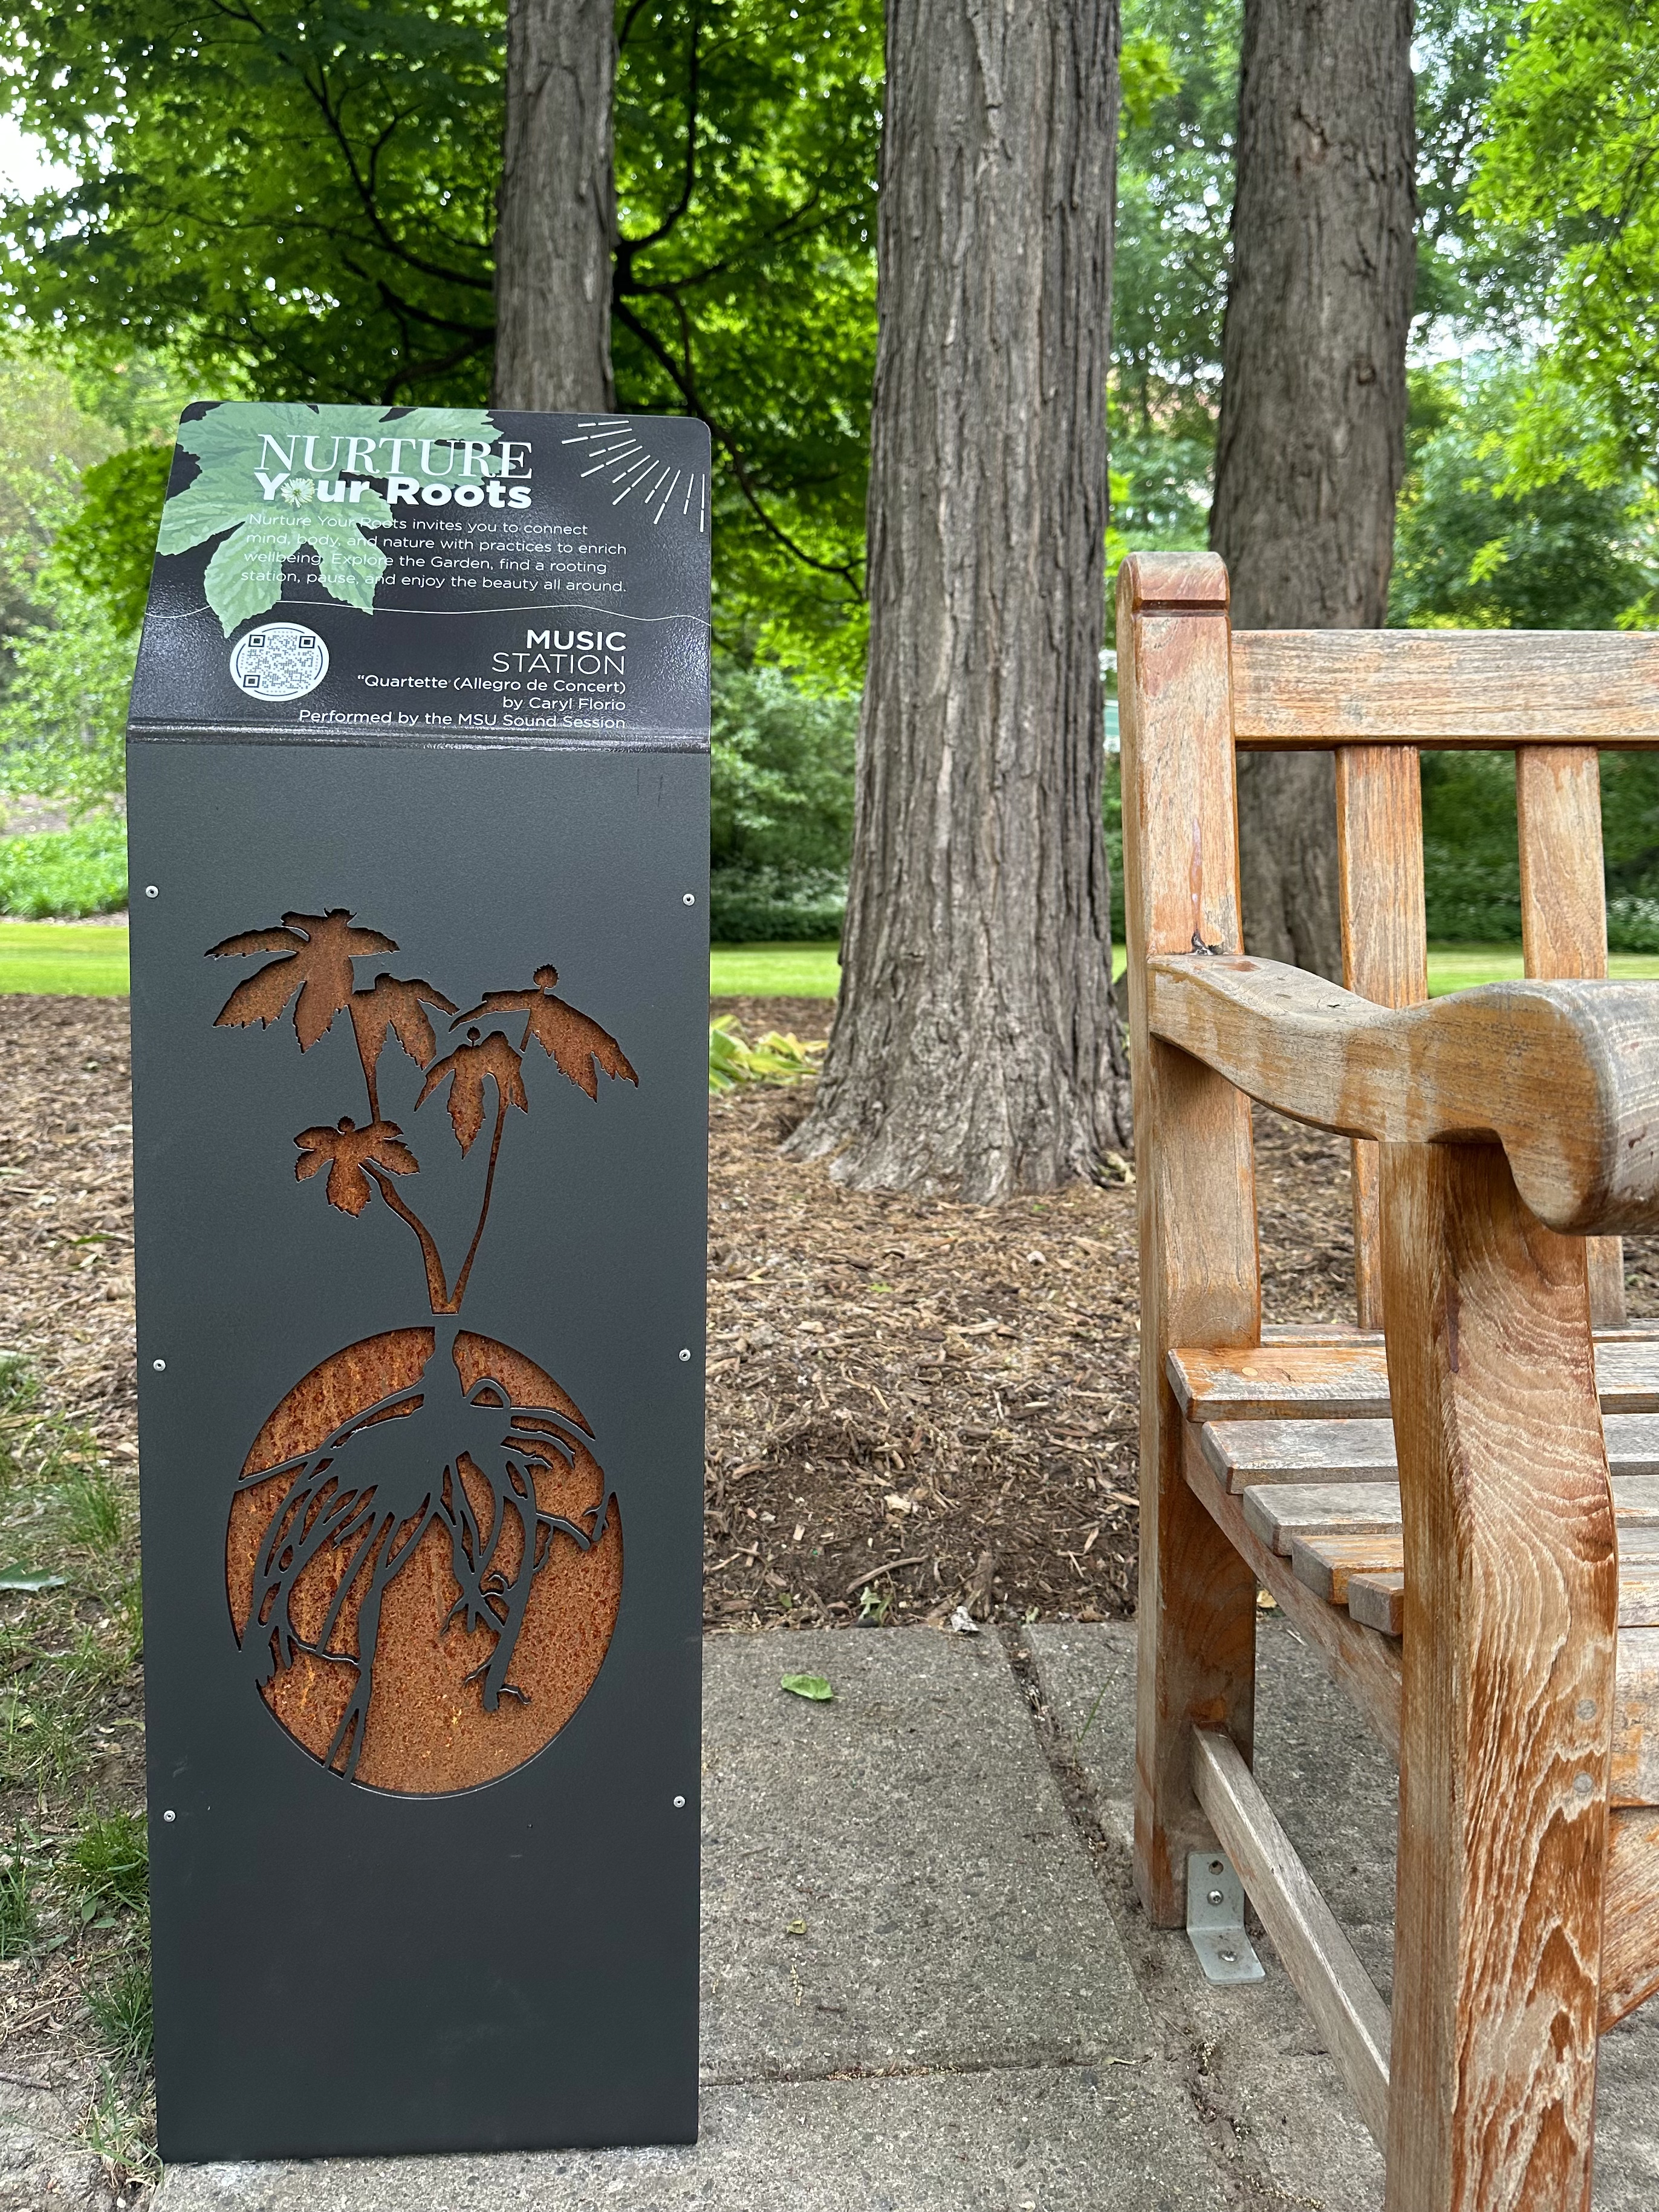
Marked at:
<point>816,1687</point>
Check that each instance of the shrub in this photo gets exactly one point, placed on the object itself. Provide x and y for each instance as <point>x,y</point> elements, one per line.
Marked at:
<point>781,821</point>
<point>65,872</point>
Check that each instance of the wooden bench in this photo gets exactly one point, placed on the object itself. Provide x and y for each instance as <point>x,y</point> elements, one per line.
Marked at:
<point>1457,1500</point>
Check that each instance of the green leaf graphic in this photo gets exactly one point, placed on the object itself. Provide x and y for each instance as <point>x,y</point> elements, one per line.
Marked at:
<point>245,575</point>
<point>259,533</point>
<point>349,564</point>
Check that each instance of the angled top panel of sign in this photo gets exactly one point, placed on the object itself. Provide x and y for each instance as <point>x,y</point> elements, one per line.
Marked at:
<point>429,575</point>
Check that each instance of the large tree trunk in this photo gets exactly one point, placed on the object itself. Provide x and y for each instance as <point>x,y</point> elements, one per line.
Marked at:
<point>976,1050</point>
<point>557,216</point>
<point>1311,443</point>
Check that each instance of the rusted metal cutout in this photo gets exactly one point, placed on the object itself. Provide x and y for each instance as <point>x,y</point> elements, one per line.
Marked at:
<point>423,1560</point>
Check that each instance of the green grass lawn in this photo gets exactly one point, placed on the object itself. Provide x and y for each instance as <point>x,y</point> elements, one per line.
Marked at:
<point>812,971</point>
<point>1454,967</point>
<point>774,971</point>
<point>87,958</point>
<point>90,958</point>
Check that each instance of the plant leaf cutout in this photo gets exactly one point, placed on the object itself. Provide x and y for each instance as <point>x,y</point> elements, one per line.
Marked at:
<point>319,950</point>
<point>575,1043</point>
<point>392,1007</point>
<point>464,1070</point>
<point>345,1151</point>
<point>268,522</point>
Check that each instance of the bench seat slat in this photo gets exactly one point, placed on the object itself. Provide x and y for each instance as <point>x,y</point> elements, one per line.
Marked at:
<point>1280,1511</point>
<point>1341,1382</point>
<point>1246,1453</point>
<point>1378,1601</point>
<point>1327,1564</point>
<point>1367,1665</point>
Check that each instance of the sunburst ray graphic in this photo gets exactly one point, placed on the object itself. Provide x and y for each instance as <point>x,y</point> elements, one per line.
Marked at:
<point>616,450</point>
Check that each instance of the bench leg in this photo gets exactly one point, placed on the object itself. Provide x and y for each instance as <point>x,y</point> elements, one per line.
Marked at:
<point>1197,1601</point>
<point>1511,1600</point>
<point>1196,1664</point>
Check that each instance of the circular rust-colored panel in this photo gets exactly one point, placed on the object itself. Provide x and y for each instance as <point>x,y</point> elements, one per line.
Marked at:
<point>428,1728</point>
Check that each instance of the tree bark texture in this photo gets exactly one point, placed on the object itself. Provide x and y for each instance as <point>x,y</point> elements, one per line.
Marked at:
<point>976,1050</point>
<point>556,214</point>
<point>1311,444</point>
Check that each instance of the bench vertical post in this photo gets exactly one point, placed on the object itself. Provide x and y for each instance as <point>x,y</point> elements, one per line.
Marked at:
<point>1196,1190</point>
<point>1511,1596</point>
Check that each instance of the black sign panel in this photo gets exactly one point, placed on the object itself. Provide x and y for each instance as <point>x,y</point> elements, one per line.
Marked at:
<point>418,799</point>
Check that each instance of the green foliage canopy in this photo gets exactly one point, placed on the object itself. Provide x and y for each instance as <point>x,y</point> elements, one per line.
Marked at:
<point>1476,549</point>
<point>109,548</point>
<point>300,205</point>
<point>1572,163</point>
<point>1169,275</point>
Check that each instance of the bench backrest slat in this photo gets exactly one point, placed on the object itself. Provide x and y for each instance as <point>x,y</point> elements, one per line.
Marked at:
<point>1564,918</point>
<point>1469,689</point>
<point>1379,826</point>
<point>1192,692</point>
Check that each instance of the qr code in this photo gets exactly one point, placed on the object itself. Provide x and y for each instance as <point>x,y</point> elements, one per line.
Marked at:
<point>281,660</point>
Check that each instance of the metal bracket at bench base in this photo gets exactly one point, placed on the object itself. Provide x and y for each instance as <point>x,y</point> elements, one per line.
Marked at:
<point>1215,1920</point>
<point>1316,1954</point>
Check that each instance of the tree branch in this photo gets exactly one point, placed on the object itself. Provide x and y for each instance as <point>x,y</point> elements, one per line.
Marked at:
<point>322,100</point>
<point>662,230</point>
<point>685,384</point>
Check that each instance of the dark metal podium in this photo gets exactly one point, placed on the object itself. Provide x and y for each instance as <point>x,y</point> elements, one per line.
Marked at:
<point>418,801</point>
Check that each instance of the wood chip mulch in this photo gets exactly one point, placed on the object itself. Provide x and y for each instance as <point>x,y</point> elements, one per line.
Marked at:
<point>913,1406</point>
<point>66,1206</point>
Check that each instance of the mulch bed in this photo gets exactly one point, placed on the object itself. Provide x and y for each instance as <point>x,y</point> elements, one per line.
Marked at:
<point>915,1405</point>
<point>911,1405</point>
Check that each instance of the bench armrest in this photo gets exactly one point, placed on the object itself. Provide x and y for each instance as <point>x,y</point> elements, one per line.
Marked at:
<point>1564,1075</point>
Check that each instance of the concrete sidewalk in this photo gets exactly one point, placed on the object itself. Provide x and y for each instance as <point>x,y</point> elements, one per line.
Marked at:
<point>927,1988</point>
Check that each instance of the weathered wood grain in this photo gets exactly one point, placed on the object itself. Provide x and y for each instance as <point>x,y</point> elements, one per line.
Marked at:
<point>1363,1666</point>
<point>1564,1075</point>
<point>1630,1931</point>
<point>1446,689</point>
<point>1367,1666</point>
<point>1378,1601</point>
<point>1511,1591</point>
<point>1564,917</point>
<point>1385,958</point>
<point>1195,1186</point>
<point>1279,1512</point>
<point>1281,1382</point>
<point>1633,1773</point>
<point>1328,1565</point>
<point>1316,1953</point>
<point>1251,1454</point>
<point>1332,1382</point>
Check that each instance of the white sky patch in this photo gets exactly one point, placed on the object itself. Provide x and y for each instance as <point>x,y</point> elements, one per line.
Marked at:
<point>25,164</point>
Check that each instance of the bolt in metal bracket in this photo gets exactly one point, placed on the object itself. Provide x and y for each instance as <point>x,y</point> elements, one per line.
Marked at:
<point>1215,1920</point>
